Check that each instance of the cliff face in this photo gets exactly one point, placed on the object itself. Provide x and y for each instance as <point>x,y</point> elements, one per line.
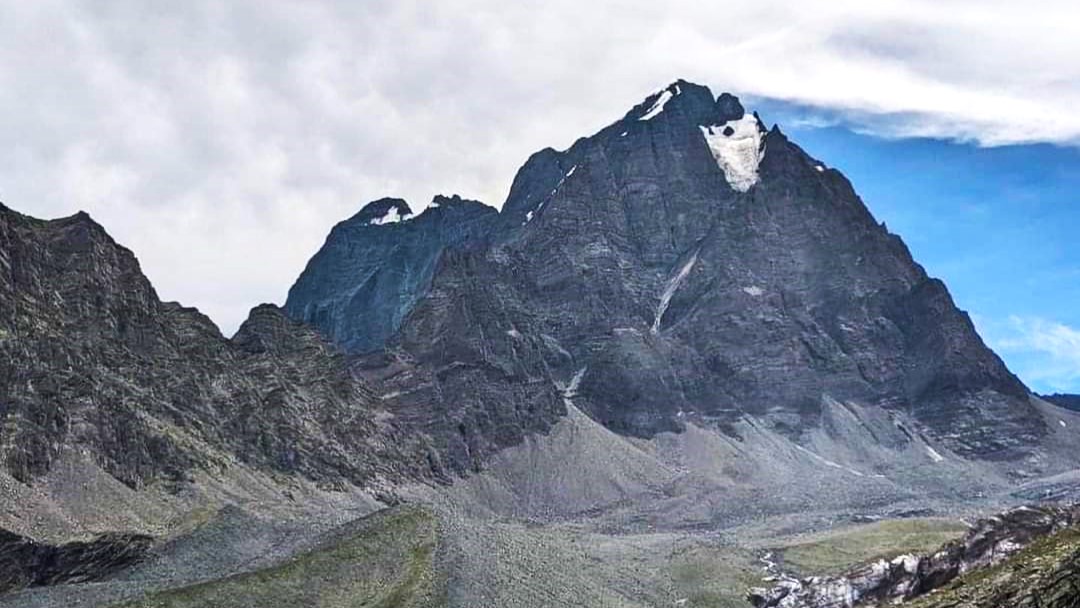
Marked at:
<point>374,267</point>
<point>91,360</point>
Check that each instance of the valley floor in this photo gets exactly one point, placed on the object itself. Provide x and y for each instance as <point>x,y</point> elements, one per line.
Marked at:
<point>578,517</point>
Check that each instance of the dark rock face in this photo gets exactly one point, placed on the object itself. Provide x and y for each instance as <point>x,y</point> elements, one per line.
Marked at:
<point>989,543</point>
<point>698,268</point>
<point>25,563</point>
<point>375,266</point>
<point>90,359</point>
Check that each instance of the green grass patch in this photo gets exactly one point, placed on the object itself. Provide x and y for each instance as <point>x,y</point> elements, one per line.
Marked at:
<point>386,560</point>
<point>835,551</point>
<point>714,577</point>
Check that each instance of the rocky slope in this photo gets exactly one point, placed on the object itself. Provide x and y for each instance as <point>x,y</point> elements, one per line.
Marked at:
<point>91,361</point>
<point>1044,575</point>
<point>989,543</point>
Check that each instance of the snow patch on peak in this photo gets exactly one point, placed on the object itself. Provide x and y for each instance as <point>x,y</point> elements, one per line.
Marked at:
<point>392,216</point>
<point>658,106</point>
<point>738,147</point>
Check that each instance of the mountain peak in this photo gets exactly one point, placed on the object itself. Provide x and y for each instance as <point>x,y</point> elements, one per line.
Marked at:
<point>694,101</point>
<point>681,96</point>
<point>383,211</point>
<point>728,107</point>
<point>456,201</point>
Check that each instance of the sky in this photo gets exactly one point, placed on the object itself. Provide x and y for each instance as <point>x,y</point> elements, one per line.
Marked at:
<point>221,141</point>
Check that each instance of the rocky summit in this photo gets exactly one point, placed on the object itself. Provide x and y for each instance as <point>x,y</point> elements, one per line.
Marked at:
<point>681,344</point>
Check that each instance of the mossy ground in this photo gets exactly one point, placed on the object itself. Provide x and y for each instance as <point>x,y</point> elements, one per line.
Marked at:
<point>714,577</point>
<point>386,561</point>
<point>835,551</point>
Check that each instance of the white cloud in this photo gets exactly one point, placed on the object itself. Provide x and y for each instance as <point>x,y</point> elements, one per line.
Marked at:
<point>221,141</point>
<point>1044,353</point>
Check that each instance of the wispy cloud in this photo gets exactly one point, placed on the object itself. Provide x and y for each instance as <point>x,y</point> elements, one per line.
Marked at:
<point>1045,353</point>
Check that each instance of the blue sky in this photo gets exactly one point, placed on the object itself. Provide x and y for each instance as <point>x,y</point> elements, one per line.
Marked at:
<point>999,225</point>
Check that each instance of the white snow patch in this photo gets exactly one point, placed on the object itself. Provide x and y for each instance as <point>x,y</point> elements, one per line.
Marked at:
<point>658,105</point>
<point>669,291</point>
<point>514,333</point>
<point>569,390</point>
<point>623,134</point>
<point>753,290</point>
<point>389,395</point>
<point>392,216</point>
<point>738,154</point>
<point>1062,423</point>
<point>571,171</point>
<point>820,169</point>
<point>528,218</point>
<point>934,454</point>
<point>909,563</point>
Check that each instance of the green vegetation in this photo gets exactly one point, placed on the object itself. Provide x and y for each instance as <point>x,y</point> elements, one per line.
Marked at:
<point>387,561</point>
<point>1045,574</point>
<point>835,551</point>
<point>714,577</point>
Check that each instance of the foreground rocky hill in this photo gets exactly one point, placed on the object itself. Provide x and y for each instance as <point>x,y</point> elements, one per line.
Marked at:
<point>1024,557</point>
<point>681,341</point>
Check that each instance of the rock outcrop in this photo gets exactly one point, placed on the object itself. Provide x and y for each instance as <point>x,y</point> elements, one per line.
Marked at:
<point>989,543</point>
<point>25,563</point>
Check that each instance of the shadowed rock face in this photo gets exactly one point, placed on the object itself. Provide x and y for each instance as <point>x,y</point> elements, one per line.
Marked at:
<point>25,563</point>
<point>375,266</point>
